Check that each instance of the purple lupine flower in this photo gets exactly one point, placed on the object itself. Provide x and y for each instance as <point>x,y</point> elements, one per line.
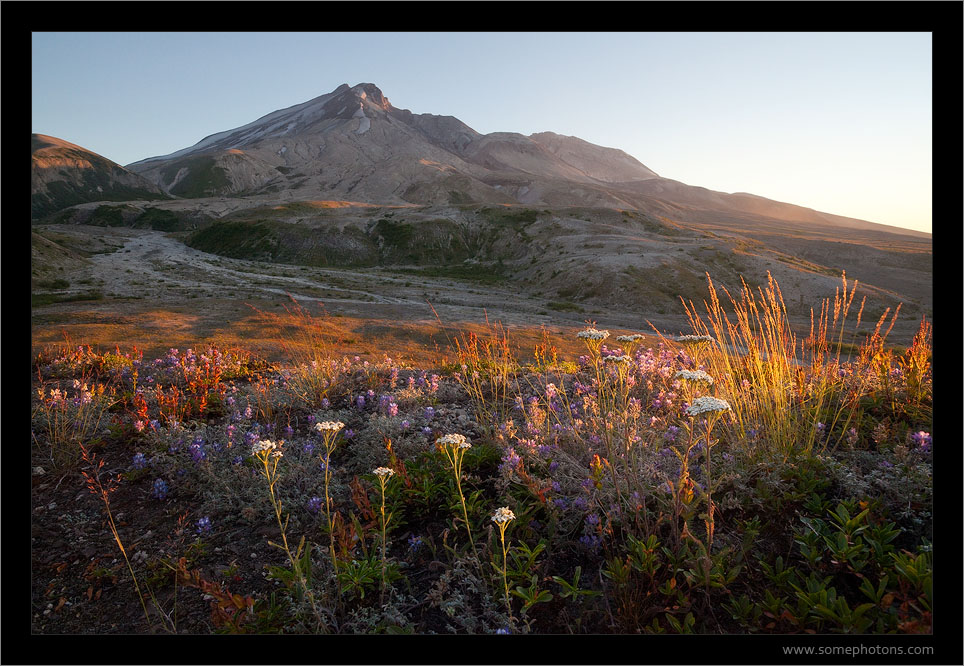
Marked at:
<point>405,424</point>
<point>414,543</point>
<point>203,525</point>
<point>197,452</point>
<point>360,402</point>
<point>429,413</point>
<point>159,489</point>
<point>314,504</point>
<point>309,448</point>
<point>580,503</point>
<point>325,403</point>
<point>591,541</point>
<point>560,503</point>
<point>922,439</point>
<point>289,431</point>
<point>671,433</point>
<point>237,460</point>
<point>427,431</point>
<point>553,466</point>
<point>139,461</point>
<point>510,460</point>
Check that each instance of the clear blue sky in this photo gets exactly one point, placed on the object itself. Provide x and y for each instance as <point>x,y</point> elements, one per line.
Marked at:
<point>839,122</point>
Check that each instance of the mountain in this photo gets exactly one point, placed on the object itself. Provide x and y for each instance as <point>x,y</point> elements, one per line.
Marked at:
<point>352,144</point>
<point>63,175</point>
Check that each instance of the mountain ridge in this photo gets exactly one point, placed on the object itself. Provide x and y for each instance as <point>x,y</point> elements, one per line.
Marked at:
<point>64,174</point>
<point>353,144</point>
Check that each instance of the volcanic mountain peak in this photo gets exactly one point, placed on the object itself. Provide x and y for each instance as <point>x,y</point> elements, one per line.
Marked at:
<point>353,144</point>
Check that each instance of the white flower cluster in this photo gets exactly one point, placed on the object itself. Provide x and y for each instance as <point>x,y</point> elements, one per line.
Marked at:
<point>383,471</point>
<point>708,403</point>
<point>503,515</point>
<point>618,359</point>
<point>266,445</point>
<point>592,334</point>
<point>695,338</point>
<point>329,425</point>
<point>695,375</point>
<point>630,338</point>
<point>454,441</point>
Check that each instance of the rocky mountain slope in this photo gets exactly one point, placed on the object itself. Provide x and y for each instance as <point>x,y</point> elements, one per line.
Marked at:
<point>63,174</point>
<point>353,144</point>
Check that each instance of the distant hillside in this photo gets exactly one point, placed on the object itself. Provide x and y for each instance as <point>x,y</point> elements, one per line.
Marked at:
<point>63,175</point>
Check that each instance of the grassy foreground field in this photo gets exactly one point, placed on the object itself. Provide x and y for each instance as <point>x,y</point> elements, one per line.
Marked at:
<point>736,480</point>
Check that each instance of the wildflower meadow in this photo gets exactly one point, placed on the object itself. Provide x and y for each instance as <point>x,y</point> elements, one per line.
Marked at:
<point>746,477</point>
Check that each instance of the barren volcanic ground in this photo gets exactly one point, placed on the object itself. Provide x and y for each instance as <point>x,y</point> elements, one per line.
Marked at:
<point>107,285</point>
<point>145,288</point>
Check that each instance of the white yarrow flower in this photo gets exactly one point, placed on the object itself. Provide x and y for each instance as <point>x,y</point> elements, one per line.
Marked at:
<point>708,403</point>
<point>695,375</point>
<point>695,338</point>
<point>329,425</point>
<point>383,471</point>
<point>618,359</point>
<point>503,515</point>
<point>592,334</point>
<point>263,445</point>
<point>454,440</point>
<point>630,338</point>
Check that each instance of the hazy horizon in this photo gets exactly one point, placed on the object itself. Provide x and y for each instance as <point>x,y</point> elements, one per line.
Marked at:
<point>836,122</point>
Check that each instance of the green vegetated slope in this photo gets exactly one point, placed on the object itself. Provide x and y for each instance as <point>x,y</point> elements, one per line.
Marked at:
<point>63,194</point>
<point>433,245</point>
<point>131,215</point>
